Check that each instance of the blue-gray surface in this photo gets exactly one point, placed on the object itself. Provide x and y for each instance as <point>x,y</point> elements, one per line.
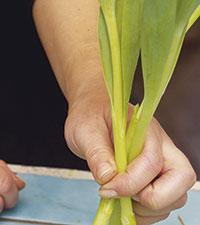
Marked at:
<point>73,202</point>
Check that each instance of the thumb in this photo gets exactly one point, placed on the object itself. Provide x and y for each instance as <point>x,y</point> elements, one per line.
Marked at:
<point>101,163</point>
<point>91,140</point>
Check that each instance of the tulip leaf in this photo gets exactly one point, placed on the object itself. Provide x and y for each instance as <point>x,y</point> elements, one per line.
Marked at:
<point>160,48</point>
<point>128,14</point>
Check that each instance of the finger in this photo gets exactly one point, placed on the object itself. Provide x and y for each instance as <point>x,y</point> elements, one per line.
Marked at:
<point>1,204</point>
<point>176,179</point>
<point>150,220</point>
<point>92,138</point>
<point>139,173</point>
<point>19,182</point>
<point>144,211</point>
<point>8,188</point>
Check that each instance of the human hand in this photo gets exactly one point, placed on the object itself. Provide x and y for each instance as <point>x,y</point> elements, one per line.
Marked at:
<point>158,180</point>
<point>10,185</point>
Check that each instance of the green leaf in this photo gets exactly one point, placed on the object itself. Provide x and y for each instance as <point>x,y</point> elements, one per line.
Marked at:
<point>164,44</point>
<point>128,14</point>
<point>163,30</point>
<point>130,43</point>
<point>158,27</point>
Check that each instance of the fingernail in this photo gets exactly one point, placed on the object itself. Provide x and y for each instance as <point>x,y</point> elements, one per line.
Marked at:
<point>105,172</point>
<point>19,179</point>
<point>20,183</point>
<point>108,193</point>
<point>135,198</point>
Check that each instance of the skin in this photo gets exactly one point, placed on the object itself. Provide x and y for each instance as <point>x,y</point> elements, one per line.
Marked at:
<point>68,31</point>
<point>10,185</point>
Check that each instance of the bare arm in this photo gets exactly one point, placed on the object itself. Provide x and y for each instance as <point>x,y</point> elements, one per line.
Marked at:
<point>68,30</point>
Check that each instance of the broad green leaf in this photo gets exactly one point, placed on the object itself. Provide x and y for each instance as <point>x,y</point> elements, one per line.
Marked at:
<point>157,34</point>
<point>106,55</point>
<point>165,49</point>
<point>130,43</point>
<point>119,15</point>
<point>163,30</point>
<point>128,14</point>
<point>158,24</point>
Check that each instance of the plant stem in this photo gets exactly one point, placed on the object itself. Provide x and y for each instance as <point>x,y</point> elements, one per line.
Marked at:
<point>127,215</point>
<point>104,212</point>
<point>116,215</point>
<point>137,131</point>
<point>119,116</point>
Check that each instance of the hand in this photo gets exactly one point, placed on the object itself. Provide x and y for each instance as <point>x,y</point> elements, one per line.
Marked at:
<point>158,180</point>
<point>10,185</point>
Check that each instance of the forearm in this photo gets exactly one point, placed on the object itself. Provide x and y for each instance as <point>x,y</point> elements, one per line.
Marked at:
<point>68,31</point>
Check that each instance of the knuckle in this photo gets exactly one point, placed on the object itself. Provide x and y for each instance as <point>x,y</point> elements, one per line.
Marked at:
<point>73,133</point>
<point>68,131</point>
<point>182,201</point>
<point>191,176</point>
<point>75,130</point>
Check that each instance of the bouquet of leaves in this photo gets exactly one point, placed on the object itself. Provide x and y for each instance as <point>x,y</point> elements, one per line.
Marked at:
<point>154,29</point>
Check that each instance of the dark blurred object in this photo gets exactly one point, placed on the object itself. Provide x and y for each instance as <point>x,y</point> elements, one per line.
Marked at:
<point>33,109</point>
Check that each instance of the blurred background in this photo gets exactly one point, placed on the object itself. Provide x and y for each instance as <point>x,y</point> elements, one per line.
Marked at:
<point>33,109</point>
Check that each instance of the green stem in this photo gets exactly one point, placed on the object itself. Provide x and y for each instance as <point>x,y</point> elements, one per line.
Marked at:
<point>137,131</point>
<point>127,215</point>
<point>104,212</point>
<point>118,112</point>
<point>116,215</point>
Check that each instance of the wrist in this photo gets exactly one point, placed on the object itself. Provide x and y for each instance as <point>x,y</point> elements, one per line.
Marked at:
<point>85,83</point>
<point>90,100</point>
